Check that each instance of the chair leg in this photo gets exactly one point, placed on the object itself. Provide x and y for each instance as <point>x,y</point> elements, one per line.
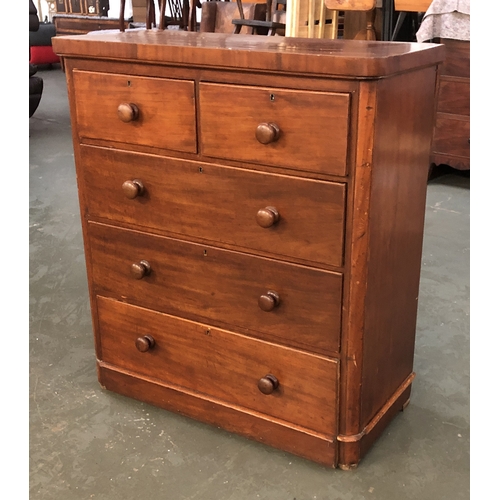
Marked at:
<point>237,28</point>
<point>399,23</point>
<point>122,15</point>
<point>163,5</point>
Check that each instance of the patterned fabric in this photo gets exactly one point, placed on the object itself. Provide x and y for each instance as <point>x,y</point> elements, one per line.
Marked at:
<point>446,19</point>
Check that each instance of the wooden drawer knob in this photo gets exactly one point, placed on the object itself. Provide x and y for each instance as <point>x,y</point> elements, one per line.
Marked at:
<point>266,133</point>
<point>145,343</point>
<point>128,112</point>
<point>140,269</point>
<point>268,384</point>
<point>269,301</point>
<point>133,189</point>
<point>267,217</point>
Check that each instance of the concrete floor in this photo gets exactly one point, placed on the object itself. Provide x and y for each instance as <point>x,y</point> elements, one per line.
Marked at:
<point>89,444</point>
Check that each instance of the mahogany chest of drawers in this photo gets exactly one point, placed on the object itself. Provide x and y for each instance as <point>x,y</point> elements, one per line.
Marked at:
<point>252,212</point>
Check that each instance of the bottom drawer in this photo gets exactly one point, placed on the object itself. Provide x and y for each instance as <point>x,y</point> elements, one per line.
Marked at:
<point>220,364</point>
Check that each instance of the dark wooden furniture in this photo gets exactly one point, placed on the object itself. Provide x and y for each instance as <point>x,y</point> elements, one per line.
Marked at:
<point>84,7</point>
<point>273,22</point>
<point>144,13</point>
<point>252,213</point>
<point>451,142</point>
<point>217,17</point>
<point>412,9</point>
<point>67,24</point>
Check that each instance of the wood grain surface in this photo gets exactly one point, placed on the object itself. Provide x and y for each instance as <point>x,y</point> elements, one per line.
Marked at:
<point>205,283</point>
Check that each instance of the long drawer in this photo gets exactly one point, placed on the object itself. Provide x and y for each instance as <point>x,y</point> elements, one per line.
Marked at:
<point>137,110</point>
<point>278,215</point>
<point>221,364</point>
<point>293,129</point>
<point>297,305</point>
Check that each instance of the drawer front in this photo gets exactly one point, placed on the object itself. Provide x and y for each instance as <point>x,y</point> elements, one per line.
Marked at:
<point>165,110</point>
<point>218,204</point>
<point>307,130</point>
<point>219,286</point>
<point>457,59</point>
<point>451,136</point>
<point>454,96</point>
<point>220,364</point>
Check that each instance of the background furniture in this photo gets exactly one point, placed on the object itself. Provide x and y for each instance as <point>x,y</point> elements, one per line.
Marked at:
<point>448,22</point>
<point>274,22</point>
<point>35,82</point>
<point>451,140</point>
<point>68,24</point>
<point>217,17</point>
<point>251,265</point>
<point>171,12</point>
<point>353,22</point>
<point>311,19</point>
<point>84,7</point>
<point>320,18</point>
<point>415,8</point>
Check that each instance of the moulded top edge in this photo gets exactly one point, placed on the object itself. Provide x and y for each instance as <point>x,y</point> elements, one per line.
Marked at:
<point>349,58</point>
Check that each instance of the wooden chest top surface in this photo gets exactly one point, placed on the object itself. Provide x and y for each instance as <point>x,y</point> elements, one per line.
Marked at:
<point>348,58</point>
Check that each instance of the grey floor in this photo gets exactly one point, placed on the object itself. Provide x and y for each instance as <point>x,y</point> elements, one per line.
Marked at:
<point>85,443</point>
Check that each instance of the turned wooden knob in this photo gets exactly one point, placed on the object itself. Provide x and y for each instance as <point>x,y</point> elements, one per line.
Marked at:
<point>133,189</point>
<point>268,384</point>
<point>266,133</point>
<point>145,343</point>
<point>140,269</point>
<point>266,217</point>
<point>269,301</point>
<point>128,112</point>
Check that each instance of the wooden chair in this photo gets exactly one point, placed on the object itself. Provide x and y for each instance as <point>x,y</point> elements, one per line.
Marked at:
<point>412,7</point>
<point>179,13</point>
<point>273,22</point>
<point>217,17</point>
<point>150,14</point>
<point>320,18</point>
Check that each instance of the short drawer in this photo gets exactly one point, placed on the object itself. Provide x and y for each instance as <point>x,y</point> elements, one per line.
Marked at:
<point>136,110</point>
<point>221,364</point>
<point>292,129</point>
<point>452,135</point>
<point>283,216</point>
<point>291,304</point>
<point>454,96</point>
